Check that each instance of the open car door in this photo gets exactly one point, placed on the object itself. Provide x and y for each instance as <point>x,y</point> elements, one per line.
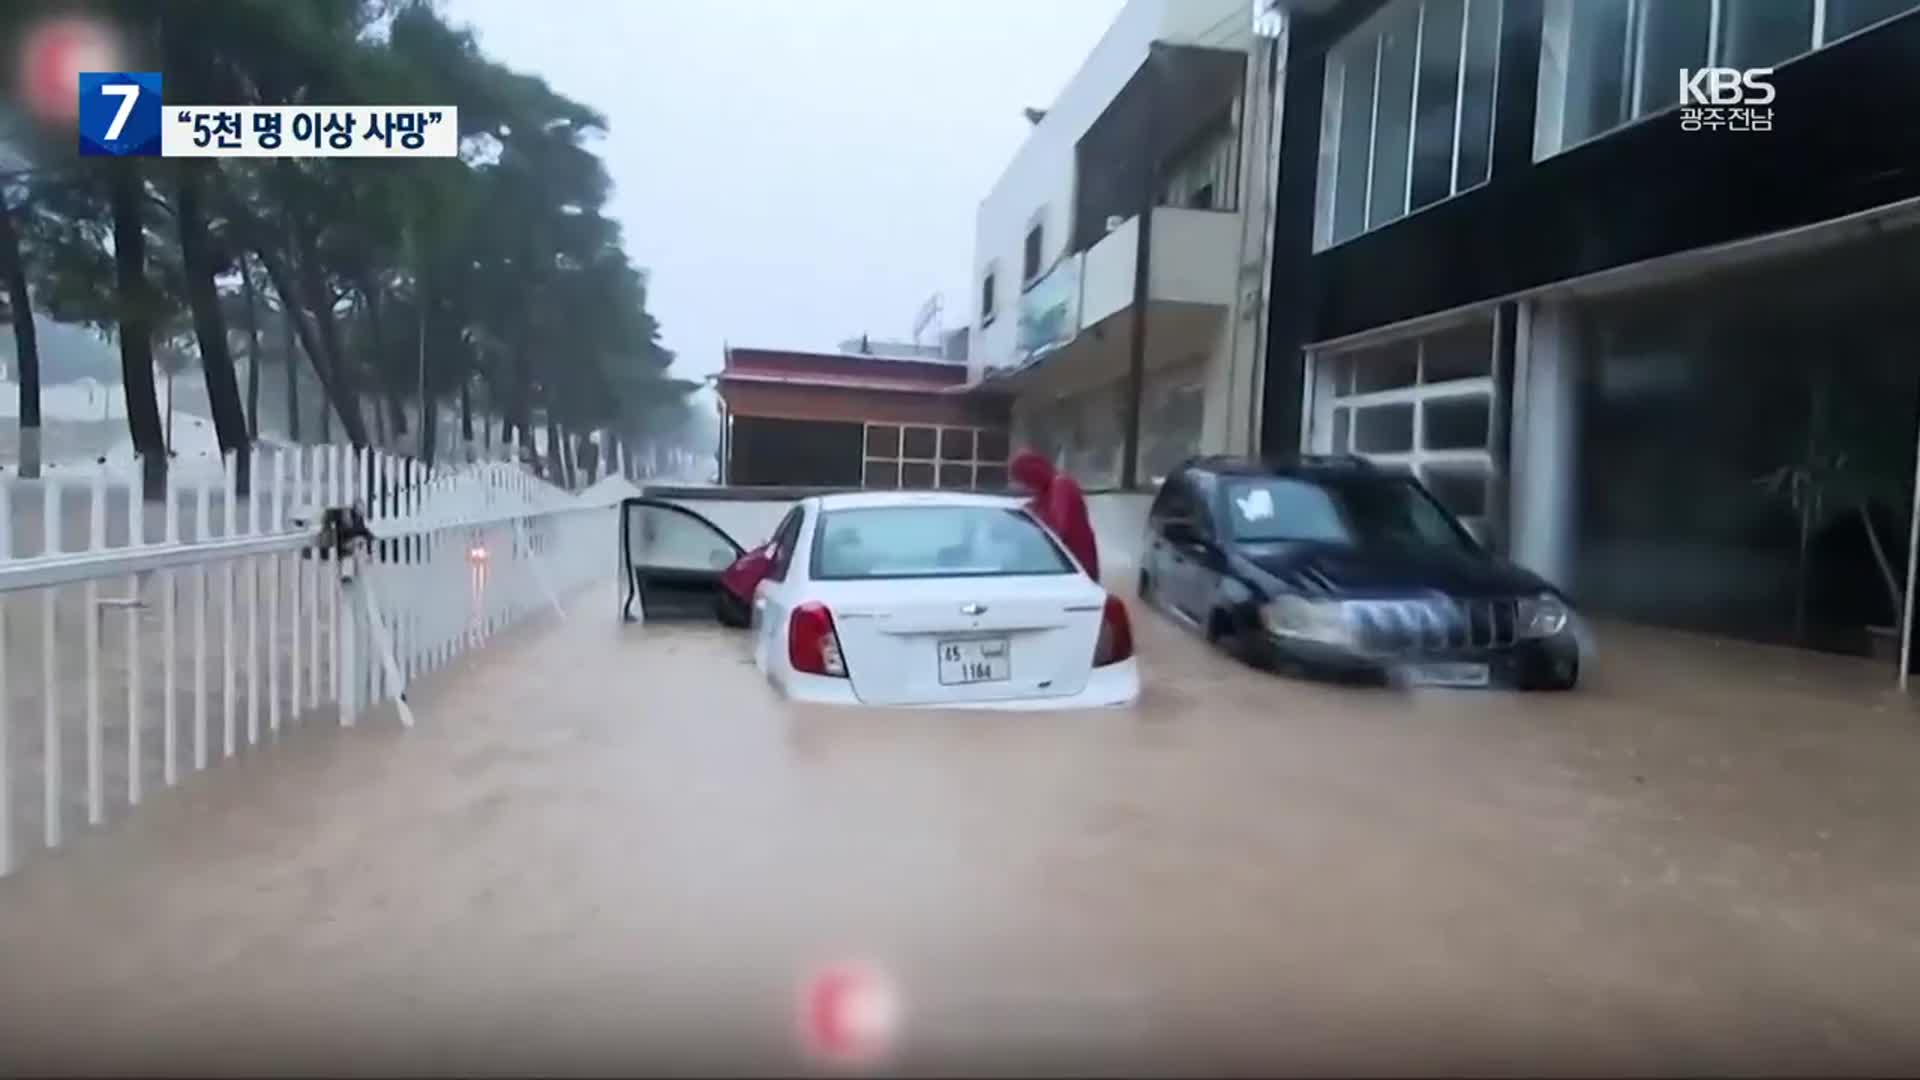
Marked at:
<point>673,558</point>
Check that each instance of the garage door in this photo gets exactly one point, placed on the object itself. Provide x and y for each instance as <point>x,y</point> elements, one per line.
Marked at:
<point>1423,404</point>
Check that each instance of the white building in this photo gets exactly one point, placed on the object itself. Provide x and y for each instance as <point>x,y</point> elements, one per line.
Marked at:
<point>1158,113</point>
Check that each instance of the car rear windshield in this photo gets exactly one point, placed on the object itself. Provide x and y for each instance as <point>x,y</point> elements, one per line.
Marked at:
<point>1377,512</point>
<point>932,541</point>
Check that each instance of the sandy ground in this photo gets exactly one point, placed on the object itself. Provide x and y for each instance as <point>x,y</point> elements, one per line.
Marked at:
<point>609,849</point>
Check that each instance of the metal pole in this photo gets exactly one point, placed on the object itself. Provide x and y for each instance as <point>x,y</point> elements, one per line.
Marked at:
<point>1913,556</point>
<point>1142,274</point>
<point>420,287</point>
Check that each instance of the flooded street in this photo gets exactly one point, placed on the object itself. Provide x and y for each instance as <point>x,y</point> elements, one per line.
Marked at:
<point>608,848</point>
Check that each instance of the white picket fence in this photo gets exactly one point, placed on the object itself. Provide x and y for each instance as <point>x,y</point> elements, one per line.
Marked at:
<point>140,644</point>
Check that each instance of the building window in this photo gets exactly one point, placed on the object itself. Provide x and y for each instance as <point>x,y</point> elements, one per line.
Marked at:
<point>1406,114</point>
<point>1421,405</point>
<point>925,456</point>
<point>1030,253</point>
<point>1606,63</point>
<point>987,297</point>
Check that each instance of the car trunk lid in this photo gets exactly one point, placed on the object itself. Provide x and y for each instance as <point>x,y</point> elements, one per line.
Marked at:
<point>967,639</point>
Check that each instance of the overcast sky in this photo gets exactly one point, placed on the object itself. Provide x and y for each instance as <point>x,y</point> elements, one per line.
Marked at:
<point>797,172</point>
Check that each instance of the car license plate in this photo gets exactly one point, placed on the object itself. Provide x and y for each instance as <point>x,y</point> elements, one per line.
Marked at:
<point>964,661</point>
<point>1446,674</point>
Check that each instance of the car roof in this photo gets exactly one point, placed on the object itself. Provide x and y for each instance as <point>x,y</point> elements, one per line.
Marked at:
<point>1314,466</point>
<point>868,500</point>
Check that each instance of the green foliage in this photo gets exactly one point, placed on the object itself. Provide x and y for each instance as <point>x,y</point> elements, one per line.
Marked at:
<point>501,265</point>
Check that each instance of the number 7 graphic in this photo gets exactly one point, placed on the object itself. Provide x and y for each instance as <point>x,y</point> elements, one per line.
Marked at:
<point>119,114</point>
<point>130,93</point>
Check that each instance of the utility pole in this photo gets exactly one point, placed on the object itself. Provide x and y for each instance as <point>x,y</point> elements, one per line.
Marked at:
<point>1142,271</point>
<point>425,405</point>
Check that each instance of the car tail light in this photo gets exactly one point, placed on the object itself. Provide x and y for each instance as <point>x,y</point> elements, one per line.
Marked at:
<point>1116,634</point>
<point>812,646</point>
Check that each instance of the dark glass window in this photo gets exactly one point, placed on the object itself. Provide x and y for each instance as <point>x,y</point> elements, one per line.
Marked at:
<point>1439,89</point>
<point>1455,423</point>
<point>1356,139</point>
<point>1673,35</point>
<point>1386,367</point>
<point>956,444</point>
<point>918,442</point>
<point>1476,101</point>
<point>992,445</point>
<point>1465,352</point>
<point>1762,33</point>
<point>1383,429</point>
<point>1393,115</point>
<point>1846,16</point>
<point>1030,254</point>
<point>883,474</point>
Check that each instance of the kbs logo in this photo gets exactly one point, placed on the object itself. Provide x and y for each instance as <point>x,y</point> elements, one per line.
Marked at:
<point>1726,99</point>
<point>1726,86</point>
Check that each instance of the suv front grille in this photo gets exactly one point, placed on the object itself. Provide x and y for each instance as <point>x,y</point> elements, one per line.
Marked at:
<point>1433,626</point>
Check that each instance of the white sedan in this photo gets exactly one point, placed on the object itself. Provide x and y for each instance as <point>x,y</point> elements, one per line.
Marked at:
<point>936,599</point>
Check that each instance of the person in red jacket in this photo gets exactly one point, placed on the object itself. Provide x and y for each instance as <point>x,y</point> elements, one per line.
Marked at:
<point>1059,504</point>
<point>734,602</point>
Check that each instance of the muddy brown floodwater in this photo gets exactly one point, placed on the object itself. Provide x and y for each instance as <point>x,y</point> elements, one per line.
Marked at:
<point>609,849</point>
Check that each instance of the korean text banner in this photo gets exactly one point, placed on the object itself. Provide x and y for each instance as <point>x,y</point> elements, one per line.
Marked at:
<point>295,131</point>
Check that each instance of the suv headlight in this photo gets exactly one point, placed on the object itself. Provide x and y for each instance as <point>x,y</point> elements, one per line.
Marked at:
<point>1541,616</point>
<point>1324,621</point>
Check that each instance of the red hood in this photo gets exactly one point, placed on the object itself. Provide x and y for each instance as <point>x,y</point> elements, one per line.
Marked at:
<point>748,571</point>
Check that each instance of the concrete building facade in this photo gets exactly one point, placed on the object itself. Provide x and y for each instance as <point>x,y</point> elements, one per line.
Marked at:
<point>1114,301</point>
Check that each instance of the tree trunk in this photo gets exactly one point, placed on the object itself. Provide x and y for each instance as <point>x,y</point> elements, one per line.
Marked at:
<point>26,340</point>
<point>396,418</point>
<point>253,350</point>
<point>429,431</point>
<point>557,451</point>
<point>210,328</point>
<point>386,378</point>
<point>587,453</point>
<point>286,284</point>
<point>1895,598</point>
<point>344,387</point>
<point>288,345</point>
<point>380,433</point>
<point>136,331</point>
<point>466,418</point>
<point>287,290</point>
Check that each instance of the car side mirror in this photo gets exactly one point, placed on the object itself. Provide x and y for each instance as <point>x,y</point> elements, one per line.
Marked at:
<point>1181,531</point>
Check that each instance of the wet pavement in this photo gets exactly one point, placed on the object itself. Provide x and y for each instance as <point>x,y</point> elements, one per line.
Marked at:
<point>609,849</point>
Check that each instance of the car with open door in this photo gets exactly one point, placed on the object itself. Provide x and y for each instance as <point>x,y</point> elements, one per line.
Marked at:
<point>675,561</point>
<point>937,599</point>
<point>1336,567</point>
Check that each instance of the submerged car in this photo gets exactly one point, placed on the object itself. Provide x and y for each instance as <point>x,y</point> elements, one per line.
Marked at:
<point>936,599</point>
<point>1336,567</point>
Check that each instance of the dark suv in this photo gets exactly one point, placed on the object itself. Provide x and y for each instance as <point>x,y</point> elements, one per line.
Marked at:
<point>1335,567</point>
